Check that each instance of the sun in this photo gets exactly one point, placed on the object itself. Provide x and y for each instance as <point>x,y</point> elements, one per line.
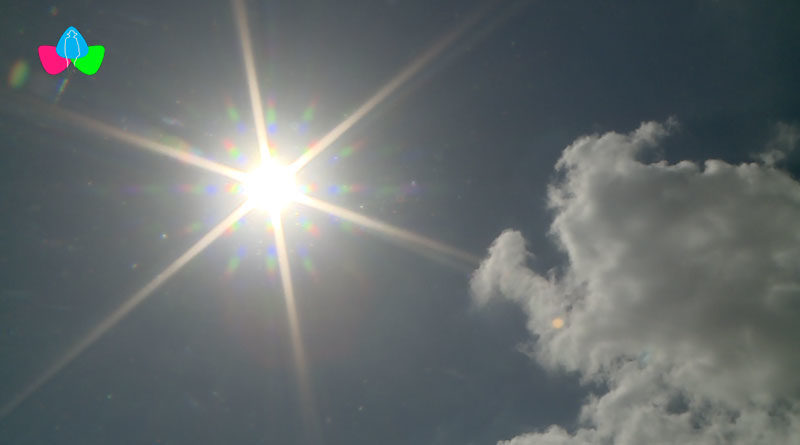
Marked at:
<point>270,187</point>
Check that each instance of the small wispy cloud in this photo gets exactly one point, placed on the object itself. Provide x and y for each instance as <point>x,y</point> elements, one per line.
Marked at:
<point>785,139</point>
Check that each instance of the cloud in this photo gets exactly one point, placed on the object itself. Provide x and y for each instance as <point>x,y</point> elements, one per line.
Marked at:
<point>784,141</point>
<point>681,295</point>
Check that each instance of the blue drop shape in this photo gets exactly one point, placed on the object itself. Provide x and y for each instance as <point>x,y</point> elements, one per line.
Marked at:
<point>72,44</point>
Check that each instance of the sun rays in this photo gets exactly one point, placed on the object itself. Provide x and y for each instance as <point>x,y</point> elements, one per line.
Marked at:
<point>252,80</point>
<point>269,187</point>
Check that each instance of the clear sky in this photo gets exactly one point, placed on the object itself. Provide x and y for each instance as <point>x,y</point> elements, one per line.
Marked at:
<point>520,222</point>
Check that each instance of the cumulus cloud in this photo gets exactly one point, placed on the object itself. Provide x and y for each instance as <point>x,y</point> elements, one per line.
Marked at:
<point>681,295</point>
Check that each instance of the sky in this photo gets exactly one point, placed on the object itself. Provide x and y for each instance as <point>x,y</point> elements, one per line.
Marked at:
<point>575,223</point>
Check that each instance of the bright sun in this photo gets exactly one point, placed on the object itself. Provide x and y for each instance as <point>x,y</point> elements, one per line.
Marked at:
<point>270,187</point>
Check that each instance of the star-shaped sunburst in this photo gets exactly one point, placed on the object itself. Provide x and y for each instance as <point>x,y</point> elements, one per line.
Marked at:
<point>269,187</point>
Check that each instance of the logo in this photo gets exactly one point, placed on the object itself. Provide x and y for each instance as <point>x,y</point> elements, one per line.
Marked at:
<point>71,45</point>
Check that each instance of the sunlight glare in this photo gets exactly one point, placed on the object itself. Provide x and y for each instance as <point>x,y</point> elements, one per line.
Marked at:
<point>270,187</point>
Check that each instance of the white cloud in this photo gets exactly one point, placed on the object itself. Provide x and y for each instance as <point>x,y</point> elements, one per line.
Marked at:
<point>682,295</point>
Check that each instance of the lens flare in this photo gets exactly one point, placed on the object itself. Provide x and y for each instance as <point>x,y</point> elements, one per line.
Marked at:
<point>270,187</point>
